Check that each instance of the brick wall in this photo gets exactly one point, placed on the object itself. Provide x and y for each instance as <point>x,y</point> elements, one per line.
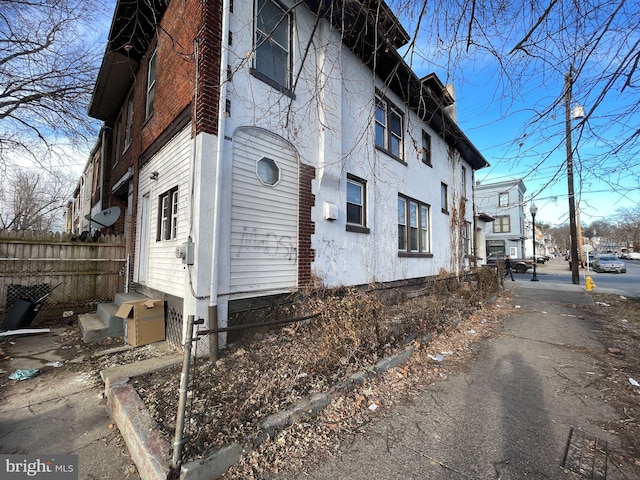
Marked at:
<point>306,228</point>
<point>210,39</point>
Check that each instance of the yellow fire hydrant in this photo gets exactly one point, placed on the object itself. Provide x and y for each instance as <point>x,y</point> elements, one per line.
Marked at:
<point>589,284</point>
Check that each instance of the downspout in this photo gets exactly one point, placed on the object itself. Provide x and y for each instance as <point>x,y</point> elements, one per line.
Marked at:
<point>222,101</point>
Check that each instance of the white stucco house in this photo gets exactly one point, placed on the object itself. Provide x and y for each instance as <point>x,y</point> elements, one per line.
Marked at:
<point>274,144</point>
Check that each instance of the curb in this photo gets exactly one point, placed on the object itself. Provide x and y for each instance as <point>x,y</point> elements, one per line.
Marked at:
<point>152,453</point>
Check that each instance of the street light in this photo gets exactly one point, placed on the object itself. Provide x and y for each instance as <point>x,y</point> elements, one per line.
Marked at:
<point>534,210</point>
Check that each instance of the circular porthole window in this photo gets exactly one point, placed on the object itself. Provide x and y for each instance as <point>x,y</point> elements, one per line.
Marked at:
<point>268,171</point>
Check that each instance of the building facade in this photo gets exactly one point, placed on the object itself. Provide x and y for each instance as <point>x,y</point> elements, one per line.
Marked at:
<point>504,201</point>
<point>259,146</point>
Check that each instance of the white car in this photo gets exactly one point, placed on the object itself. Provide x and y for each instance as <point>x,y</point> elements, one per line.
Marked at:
<point>609,263</point>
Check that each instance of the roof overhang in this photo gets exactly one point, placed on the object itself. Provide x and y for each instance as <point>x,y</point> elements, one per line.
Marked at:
<point>371,30</point>
<point>132,29</point>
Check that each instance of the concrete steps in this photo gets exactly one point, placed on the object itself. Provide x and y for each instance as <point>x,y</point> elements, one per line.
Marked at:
<point>103,322</point>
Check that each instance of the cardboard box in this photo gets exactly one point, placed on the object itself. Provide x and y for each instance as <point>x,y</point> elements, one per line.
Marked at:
<point>144,321</point>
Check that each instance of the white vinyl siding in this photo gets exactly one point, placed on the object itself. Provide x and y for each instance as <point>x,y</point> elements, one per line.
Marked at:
<point>264,218</point>
<point>165,272</point>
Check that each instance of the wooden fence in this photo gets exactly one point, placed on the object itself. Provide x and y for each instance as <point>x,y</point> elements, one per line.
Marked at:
<point>66,271</point>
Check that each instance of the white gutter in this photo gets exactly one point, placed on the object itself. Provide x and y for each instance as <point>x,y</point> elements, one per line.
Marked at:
<point>222,101</point>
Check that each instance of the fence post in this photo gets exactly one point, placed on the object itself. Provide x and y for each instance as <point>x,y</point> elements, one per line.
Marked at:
<point>179,440</point>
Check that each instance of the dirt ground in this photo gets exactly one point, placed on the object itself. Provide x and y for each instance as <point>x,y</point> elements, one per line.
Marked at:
<point>619,319</point>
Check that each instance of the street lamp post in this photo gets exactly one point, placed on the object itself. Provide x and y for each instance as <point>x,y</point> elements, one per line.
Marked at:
<point>534,210</point>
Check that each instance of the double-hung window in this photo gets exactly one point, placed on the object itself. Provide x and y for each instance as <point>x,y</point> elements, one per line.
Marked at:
<point>463,182</point>
<point>426,148</point>
<point>273,43</point>
<point>168,215</point>
<point>503,199</point>
<point>356,204</point>
<point>117,129</point>
<point>129,122</point>
<point>444,197</point>
<point>389,129</point>
<point>151,83</point>
<point>466,238</point>
<point>502,224</point>
<point>413,226</point>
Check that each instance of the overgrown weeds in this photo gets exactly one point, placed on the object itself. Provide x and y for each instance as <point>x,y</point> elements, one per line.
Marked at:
<point>267,371</point>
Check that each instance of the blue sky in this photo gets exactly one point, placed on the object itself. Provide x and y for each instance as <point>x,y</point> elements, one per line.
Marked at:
<point>514,110</point>
<point>496,112</point>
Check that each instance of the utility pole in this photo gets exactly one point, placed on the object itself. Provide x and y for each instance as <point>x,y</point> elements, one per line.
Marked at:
<point>575,276</point>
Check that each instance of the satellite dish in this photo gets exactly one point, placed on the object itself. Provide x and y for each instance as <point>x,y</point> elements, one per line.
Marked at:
<point>107,217</point>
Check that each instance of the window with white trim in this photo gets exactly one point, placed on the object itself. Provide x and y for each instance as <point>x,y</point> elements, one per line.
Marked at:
<point>129,122</point>
<point>273,43</point>
<point>444,197</point>
<point>426,148</point>
<point>466,238</point>
<point>389,128</point>
<point>502,224</point>
<point>355,201</point>
<point>151,83</point>
<point>168,215</point>
<point>356,204</point>
<point>117,132</point>
<point>413,226</point>
<point>463,182</point>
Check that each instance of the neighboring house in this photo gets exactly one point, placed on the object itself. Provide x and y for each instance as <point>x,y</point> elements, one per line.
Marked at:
<point>504,201</point>
<point>483,224</point>
<point>260,146</point>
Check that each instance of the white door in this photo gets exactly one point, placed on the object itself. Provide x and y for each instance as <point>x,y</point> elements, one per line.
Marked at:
<point>143,253</point>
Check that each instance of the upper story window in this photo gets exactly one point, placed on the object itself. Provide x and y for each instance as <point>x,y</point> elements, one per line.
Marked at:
<point>502,224</point>
<point>389,128</point>
<point>426,148</point>
<point>463,182</point>
<point>413,226</point>
<point>444,197</point>
<point>151,83</point>
<point>117,132</point>
<point>273,44</point>
<point>129,122</point>
<point>503,199</point>
<point>168,215</point>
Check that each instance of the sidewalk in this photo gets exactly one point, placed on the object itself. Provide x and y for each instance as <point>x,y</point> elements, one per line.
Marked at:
<point>525,398</point>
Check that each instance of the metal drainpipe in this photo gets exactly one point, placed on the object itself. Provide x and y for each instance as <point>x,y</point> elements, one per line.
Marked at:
<point>222,101</point>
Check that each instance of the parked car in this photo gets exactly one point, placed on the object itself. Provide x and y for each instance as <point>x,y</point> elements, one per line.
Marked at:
<point>609,263</point>
<point>633,255</point>
<point>519,265</point>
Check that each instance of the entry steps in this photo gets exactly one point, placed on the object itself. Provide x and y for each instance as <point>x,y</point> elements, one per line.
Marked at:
<point>103,323</point>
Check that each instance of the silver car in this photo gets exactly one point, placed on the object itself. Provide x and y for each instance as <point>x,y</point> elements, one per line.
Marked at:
<point>609,263</point>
